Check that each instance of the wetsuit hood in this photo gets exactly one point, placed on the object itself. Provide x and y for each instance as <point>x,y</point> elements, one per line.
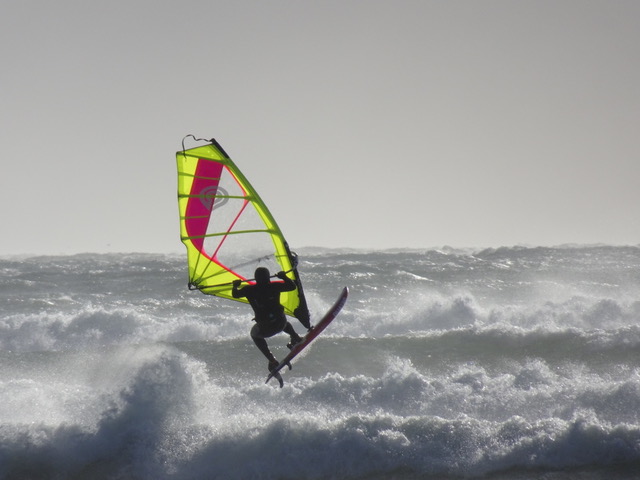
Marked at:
<point>262,275</point>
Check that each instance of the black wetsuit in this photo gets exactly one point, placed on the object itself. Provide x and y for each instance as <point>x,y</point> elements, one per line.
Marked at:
<point>270,318</point>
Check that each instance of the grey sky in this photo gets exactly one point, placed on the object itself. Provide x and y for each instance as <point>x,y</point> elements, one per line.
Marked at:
<point>366,124</point>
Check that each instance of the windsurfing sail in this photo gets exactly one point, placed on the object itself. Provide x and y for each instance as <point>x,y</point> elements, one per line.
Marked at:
<point>227,228</point>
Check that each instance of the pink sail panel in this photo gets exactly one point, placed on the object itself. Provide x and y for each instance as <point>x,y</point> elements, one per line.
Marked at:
<point>200,204</point>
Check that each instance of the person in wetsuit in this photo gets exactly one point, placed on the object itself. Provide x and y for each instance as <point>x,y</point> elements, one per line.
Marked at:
<point>264,297</point>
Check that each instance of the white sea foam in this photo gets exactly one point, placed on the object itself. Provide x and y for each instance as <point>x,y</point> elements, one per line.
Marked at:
<point>499,363</point>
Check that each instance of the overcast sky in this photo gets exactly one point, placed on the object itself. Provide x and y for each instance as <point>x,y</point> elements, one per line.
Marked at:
<point>365,124</point>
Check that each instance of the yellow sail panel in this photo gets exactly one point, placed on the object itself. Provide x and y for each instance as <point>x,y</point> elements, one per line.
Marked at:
<point>227,228</point>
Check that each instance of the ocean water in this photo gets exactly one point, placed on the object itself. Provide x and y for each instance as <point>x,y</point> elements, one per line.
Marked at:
<point>506,364</point>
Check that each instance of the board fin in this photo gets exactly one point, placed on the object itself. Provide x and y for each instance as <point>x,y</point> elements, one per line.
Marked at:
<point>278,377</point>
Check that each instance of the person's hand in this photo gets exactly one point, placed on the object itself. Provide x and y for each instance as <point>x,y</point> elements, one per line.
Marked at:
<point>281,275</point>
<point>237,283</point>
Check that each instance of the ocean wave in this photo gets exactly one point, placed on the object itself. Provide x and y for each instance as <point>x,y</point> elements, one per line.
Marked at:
<point>88,327</point>
<point>443,364</point>
<point>127,436</point>
<point>159,413</point>
<point>354,446</point>
<point>67,323</point>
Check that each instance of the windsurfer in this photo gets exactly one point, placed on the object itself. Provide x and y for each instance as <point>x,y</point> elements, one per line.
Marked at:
<point>264,298</point>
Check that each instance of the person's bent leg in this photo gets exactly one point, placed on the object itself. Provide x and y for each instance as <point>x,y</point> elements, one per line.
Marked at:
<point>261,343</point>
<point>295,338</point>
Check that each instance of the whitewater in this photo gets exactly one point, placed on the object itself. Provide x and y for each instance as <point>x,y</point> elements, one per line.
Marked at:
<point>510,364</point>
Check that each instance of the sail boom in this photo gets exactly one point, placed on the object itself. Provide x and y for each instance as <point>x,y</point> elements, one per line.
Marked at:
<point>213,196</point>
<point>238,232</point>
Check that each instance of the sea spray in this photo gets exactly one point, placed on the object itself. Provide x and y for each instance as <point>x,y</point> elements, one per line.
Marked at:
<point>498,364</point>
